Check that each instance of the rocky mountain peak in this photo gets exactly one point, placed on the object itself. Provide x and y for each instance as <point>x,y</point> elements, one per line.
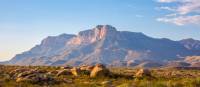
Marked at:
<point>191,43</point>
<point>100,32</point>
<point>107,28</point>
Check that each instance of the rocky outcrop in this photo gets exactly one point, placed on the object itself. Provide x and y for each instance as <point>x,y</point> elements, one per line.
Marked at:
<point>99,70</point>
<point>64,72</point>
<point>86,68</point>
<point>75,71</point>
<point>90,36</point>
<point>143,73</point>
<point>32,75</point>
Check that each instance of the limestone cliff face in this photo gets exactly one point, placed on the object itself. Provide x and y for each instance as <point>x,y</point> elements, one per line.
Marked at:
<point>104,44</point>
<point>98,33</point>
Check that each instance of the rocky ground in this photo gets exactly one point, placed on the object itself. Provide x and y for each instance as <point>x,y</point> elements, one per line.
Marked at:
<point>96,76</point>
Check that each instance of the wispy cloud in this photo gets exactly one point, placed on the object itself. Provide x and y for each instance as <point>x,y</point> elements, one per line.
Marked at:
<point>167,8</point>
<point>184,12</point>
<point>182,20</point>
<point>167,1</point>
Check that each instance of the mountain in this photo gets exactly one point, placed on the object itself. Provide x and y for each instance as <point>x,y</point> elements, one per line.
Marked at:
<point>191,44</point>
<point>104,44</point>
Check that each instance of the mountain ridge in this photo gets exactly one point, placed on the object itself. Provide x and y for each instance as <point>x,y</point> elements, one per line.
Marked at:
<point>104,44</point>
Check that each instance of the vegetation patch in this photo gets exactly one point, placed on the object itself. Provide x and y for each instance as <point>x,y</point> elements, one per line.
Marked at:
<point>97,76</point>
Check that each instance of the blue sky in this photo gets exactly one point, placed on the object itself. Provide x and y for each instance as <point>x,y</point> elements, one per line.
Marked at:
<point>24,23</point>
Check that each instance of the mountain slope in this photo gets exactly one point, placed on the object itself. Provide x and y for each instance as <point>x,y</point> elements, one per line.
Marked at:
<point>191,44</point>
<point>49,46</point>
<point>104,44</point>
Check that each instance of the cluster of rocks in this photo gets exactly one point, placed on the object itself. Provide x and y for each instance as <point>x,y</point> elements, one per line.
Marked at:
<point>32,75</point>
<point>92,71</point>
<point>44,76</point>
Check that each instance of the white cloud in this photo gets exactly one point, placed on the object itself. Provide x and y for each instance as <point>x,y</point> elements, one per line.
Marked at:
<point>171,15</point>
<point>182,20</point>
<point>180,1</point>
<point>190,6</point>
<point>185,12</point>
<point>167,8</point>
<point>167,1</point>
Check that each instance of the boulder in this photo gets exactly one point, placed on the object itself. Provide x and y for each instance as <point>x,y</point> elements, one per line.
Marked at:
<point>99,70</point>
<point>106,83</point>
<point>64,72</point>
<point>16,71</point>
<point>75,71</point>
<point>19,79</point>
<point>41,71</point>
<point>143,72</point>
<point>85,67</point>
<point>68,81</point>
<point>22,75</point>
<point>66,67</point>
<point>89,68</point>
<point>26,73</point>
<point>54,72</point>
<point>36,78</point>
<point>82,67</point>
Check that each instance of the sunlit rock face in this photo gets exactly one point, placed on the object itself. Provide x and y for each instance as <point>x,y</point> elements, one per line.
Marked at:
<point>100,32</point>
<point>104,44</point>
